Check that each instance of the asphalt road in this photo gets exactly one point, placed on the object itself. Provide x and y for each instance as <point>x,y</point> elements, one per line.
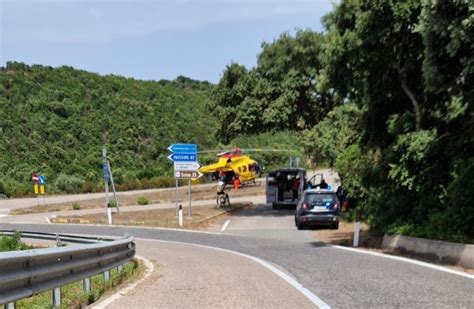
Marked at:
<point>342,279</point>
<point>197,277</point>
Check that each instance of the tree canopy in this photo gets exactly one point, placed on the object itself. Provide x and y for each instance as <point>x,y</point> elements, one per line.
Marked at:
<point>384,94</point>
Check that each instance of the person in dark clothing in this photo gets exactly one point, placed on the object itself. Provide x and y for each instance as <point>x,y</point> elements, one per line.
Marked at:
<point>296,187</point>
<point>323,184</point>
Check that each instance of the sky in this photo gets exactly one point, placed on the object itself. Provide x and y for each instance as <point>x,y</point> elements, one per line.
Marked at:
<point>149,39</point>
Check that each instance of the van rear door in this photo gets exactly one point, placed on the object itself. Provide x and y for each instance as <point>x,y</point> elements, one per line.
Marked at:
<point>271,189</point>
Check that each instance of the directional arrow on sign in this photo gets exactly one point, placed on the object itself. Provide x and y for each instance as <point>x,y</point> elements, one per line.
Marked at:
<point>183,148</point>
<point>183,157</point>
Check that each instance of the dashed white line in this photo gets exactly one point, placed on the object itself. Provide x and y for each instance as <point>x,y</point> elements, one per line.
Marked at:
<point>225,225</point>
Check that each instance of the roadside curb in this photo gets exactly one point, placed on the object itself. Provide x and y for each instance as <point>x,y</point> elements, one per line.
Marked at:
<point>149,268</point>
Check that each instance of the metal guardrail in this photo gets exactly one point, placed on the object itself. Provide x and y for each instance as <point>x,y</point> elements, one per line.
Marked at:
<point>29,272</point>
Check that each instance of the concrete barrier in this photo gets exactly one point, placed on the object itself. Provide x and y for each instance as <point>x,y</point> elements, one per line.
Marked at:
<point>441,251</point>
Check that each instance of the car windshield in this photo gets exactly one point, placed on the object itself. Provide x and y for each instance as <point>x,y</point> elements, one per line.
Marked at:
<point>318,199</point>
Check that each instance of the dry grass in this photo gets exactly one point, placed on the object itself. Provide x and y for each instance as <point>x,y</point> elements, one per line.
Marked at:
<point>201,218</point>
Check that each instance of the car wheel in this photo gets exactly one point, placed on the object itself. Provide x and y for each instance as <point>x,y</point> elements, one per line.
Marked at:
<point>335,226</point>
<point>299,225</point>
<point>274,206</point>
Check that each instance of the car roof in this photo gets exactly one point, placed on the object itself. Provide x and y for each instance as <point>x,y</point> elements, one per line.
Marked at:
<point>320,191</point>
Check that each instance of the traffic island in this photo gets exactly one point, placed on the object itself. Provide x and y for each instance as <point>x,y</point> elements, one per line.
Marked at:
<point>202,217</point>
<point>199,193</point>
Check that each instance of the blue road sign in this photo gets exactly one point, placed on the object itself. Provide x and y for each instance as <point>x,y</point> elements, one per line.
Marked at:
<point>106,171</point>
<point>183,157</point>
<point>41,180</point>
<point>183,148</point>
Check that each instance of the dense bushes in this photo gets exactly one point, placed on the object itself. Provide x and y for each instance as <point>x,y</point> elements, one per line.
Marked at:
<point>55,121</point>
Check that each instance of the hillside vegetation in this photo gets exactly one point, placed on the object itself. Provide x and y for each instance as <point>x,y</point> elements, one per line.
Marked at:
<point>56,121</point>
<point>385,95</point>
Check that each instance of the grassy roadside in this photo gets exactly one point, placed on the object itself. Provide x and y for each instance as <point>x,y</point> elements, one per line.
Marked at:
<point>12,243</point>
<point>201,218</point>
<point>72,295</point>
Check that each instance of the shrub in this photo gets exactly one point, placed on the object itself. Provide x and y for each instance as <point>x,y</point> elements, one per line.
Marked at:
<point>142,200</point>
<point>12,243</point>
<point>76,206</point>
<point>112,204</point>
<point>68,183</point>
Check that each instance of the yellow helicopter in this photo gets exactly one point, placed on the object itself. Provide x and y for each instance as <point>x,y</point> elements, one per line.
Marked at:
<point>233,163</point>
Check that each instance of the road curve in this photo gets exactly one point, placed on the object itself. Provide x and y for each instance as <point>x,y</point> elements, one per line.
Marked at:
<point>340,278</point>
<point>189,277</point>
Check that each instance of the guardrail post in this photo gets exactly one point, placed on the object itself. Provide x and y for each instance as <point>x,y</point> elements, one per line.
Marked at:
<point>86,285</point>
<point>120,268</point>
<point>106,276</point>
<point>58,241</point>
<point>56,297</point>
<point>10,306</point>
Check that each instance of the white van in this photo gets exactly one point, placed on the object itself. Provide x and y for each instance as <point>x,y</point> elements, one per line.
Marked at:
<point>280,186</point>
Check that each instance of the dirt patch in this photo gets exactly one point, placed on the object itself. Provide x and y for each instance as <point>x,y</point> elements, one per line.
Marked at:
<point>344,236</point>
<point>153,197</point>
<point>202,217</point>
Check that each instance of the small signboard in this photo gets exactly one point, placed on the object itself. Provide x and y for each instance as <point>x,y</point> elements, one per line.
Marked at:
<point>186,166</point>
<point>183,157</point>
<point>41,180</point>
<point>183,148</point>
<point>187,174</point>
<point>106,171</point>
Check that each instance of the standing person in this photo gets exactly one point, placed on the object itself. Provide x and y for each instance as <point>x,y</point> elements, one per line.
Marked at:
<point>296,187</point>
<point>221,190</point>
<point>236,182</point>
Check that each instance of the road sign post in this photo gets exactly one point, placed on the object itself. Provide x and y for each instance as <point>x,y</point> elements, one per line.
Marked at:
<point>42,183</point>
<point>184,157</point>
<point>189,197</point>
<point>106,186</point>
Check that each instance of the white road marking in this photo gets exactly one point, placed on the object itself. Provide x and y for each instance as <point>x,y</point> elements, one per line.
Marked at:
<point>407,260</point>
<point>148,271</point>
<point>293,282</point>
<point>47,220</point>
<point>2,216</point>
<point>225,225</point>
